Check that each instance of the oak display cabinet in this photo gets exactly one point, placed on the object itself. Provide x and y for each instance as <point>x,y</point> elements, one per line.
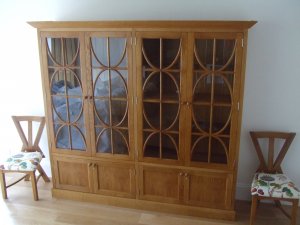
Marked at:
<point>145,114</point>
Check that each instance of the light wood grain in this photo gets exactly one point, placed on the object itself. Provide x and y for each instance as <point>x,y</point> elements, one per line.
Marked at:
<point>21,209</point>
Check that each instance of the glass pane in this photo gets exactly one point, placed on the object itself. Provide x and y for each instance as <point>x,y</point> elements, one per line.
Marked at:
<point>202,90</point>
<point>63,51</point>
<point>54,51</point>
<point>222,86</point>
<point>75,108</point>
<point>152,114</point>
<point>169,115</point>
<point>120,143</point>
<point>204,51</point>
<point>200,149</point>
<point>116,49</point>
<point>77,138</point>
<point>101,84</point>
<point>218,150</point>
<point>118,111</point>
<point>151,146</point>
<point>71,49</point>
<point>221,116</point>
<point>151,52</point>
<point>104,142</point>
<point>62,139</point>
<point>102,110</point>
<point>170,49</point>
<point>201,116</point>
<point>118,85</point>
<point>224,50</point>
<point>99,46</point>
<point>152,86</point>
<point>60,107</point>
<point>170,87</point>
<point>169,147</point>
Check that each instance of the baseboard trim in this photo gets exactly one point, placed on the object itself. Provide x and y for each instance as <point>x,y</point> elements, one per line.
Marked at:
<point>146,205</point>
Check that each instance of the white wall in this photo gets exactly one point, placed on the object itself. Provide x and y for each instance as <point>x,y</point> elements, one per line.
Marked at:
<point>272,93</point>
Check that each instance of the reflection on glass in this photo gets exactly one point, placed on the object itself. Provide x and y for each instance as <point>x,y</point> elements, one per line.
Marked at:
<point>104,142</point>
<point>75,108</point>
<point>110,77</point>
<point>78,142</point>
<point>109,52</point>
<point>63,51</point>
<point>119,142</point>
<point>102,110</point>
<point>118,84</point>
<point>118,111</point>
<point>62,138</point>
<point>60,107</point>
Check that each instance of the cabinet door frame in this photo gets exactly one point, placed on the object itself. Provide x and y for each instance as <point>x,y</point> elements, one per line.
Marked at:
<point>130,167</point>
<point>235,108</point>
<point>225,203</point>
<point>47,91</point>
<point>139,35</point>
<point>158,169</point>
<point>130,111</point>
<point>56,169</point>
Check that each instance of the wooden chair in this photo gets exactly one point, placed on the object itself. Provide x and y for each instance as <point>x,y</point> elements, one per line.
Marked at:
<point>269,181</point>
<point>28,160</point>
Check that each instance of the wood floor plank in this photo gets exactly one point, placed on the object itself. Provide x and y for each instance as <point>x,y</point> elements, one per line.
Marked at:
<point>21,209</point>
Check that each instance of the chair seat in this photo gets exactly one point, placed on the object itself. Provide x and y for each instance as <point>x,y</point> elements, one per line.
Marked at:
<point>274,185</point>
<point>23,161</point>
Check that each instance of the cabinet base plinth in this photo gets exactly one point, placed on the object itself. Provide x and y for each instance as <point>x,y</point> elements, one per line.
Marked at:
<point>145,205</point>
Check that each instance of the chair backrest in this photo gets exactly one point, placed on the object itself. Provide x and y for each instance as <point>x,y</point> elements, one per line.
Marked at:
<point>30,143</point>
<point>272,165</point>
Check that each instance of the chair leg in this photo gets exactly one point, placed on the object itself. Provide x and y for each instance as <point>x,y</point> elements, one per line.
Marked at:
<point>43,174</point>
<point>294,212</point>
<point>3,185</point>
<point>34,185</point>
<point>253,209</point>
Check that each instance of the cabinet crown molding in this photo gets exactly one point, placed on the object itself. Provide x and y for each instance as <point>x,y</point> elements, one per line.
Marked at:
<point>133,24</point>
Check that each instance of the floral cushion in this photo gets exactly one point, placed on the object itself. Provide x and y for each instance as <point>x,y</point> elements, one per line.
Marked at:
<point>24,161</point>
<point>274,185</point>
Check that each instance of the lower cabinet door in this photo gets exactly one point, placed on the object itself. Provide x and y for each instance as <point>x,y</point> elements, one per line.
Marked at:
<point>160,184</point>
<point>72,174</point>
<point>114,179</point>
<point>208,189</point>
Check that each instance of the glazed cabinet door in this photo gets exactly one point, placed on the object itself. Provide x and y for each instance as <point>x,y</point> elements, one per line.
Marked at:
<point>109,65</point>
<point>160,184</point>
<point>160,82</point>
<point>64,82</point>
<point>114,179</point>
<point>213,99</point>
<point>208,189</point>
<point>72,174</point>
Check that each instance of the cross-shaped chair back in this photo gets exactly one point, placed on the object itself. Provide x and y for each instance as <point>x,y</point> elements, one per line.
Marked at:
<point>272,165</point>
<point>30,143</point>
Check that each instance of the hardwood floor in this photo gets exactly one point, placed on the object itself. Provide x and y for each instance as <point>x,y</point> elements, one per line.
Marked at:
<point>20,208</point>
